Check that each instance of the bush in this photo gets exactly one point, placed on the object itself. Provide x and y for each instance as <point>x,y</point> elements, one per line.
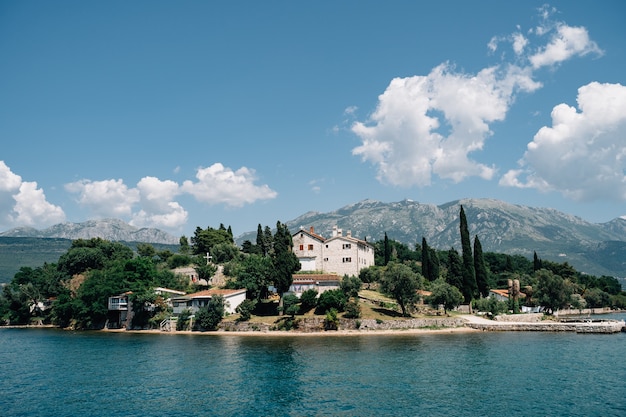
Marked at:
<point>183,320</point>
<point>245,310</point>
<point>331,299</point>
<point>490,305</point>
<point>290,304</point>
<point>331,322</point>
<point>353,310</point>
<point>308,300</point>
<point>209,317</point>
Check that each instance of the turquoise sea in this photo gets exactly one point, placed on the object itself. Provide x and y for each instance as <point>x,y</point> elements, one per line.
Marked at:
<point>48,372</point>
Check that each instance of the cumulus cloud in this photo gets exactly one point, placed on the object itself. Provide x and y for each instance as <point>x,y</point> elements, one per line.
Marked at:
<point>583,154</point>
<point>157,206</point>
<point>107,198</point>
<point>437,124</point>
<point>23,204</point>
<point>566,43</point>
<point>218,184</point>
<point>427,125</point>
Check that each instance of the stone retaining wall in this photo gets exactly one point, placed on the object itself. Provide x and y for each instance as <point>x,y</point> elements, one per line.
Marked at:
<point>598,327</point>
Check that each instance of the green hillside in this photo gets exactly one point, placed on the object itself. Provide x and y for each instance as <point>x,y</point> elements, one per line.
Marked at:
<point>16,252</point>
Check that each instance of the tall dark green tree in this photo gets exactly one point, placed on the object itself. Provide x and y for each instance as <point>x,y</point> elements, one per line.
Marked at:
<point>425,259</point>
<point>387,249</point>
<point>285,262</point>
<point>536,262</point>
<point>434,267</point>
<point>455,269</point>
<point>469,288</point>
<point>482,275</point>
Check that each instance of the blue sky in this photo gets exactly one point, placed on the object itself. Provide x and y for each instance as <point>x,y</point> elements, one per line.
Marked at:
<point>182,114</point>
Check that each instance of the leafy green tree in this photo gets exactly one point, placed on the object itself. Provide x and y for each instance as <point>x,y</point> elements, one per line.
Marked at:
<point>182,322</point>
<point>245,309</point>
<point>331,299</point>
<point>205,271</point>
<point>209,317</point>
<point>146,250</point>
<point>469,287</point>
<point>552,292</point>
<point>285,262</point>
<point>353,309</point>
<point>402,284</point>
<point>252,273</point>
<point>351,285</point>
<point>308,300</point>
<point>370,274</point>
<point>444,294</point>
<point>482,275</point>
<point>178,260</point>
<point>204,240</point>
<point>291,305</point>
<point>597,298</point>
<point>184,247</point>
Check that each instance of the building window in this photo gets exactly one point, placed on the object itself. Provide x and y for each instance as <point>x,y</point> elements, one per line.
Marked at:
<point>325,259</point>
<point>310,247</point>
<point>345,260</point>
<point>301,247</point>
<point>347,246</point>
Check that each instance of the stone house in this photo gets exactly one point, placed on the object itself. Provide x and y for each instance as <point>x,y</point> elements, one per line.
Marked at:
<point>339,254</point>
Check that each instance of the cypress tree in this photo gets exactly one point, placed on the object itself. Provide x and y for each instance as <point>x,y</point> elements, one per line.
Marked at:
<point>455,269</point>
<point>387,249</point>
<point>537,264</point>
<point>433,258</point>
<point>470,288</point>
<point>425,259</point>
<point>482,277</point>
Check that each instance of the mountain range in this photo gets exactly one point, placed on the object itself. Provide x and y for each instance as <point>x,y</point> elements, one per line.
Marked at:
<point>598,249</point>
<point>109,229</point>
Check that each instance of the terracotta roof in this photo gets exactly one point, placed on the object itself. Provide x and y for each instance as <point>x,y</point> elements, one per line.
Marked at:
<point>505,293</point>
<point>316,277</point>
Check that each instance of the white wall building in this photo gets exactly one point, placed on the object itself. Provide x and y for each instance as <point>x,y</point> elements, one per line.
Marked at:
<point>339,254</point>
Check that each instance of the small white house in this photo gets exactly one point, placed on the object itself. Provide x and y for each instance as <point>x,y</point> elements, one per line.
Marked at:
<point>193,302</point>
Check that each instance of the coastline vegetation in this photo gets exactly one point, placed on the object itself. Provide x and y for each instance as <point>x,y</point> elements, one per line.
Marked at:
<point>405,282</point>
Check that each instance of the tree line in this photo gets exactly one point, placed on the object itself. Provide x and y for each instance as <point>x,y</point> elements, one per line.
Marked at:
<point>75,290</point>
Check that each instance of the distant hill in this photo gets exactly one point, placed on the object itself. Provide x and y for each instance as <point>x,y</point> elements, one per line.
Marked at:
<point>598,249</point>
<point>108,229</point>
<point>30,247</point>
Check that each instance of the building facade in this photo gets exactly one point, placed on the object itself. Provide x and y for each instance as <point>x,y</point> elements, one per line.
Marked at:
<point>339,254</point>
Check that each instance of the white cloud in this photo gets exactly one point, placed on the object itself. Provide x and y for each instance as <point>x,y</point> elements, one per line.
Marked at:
<point>107,198</point>
<point>426,125</point>
<point>8,180</point>
<point>23,204</point>
<point>583,154</point>
<point>566,43</point>
<point>32,208</point>
<point>157,206</point>
<point>437,124</point>
<point>218,184</point>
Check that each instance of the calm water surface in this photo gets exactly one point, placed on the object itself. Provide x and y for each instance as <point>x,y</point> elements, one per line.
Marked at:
<point>49,372</point>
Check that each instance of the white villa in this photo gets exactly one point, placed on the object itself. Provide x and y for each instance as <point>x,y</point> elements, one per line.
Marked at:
<point>339,254</point>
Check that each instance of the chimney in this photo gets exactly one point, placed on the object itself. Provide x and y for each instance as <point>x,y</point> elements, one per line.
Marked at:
<point>349,233</point>
<point>335,231</point>
<point>311,230</point>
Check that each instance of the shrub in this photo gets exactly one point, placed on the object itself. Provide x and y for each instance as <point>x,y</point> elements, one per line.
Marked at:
<point>331,299</point>
<point>308,300</point>
<point>245,310</point>
<point>353,310</point>
<point>331,322</point>
<point>183,320</point>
